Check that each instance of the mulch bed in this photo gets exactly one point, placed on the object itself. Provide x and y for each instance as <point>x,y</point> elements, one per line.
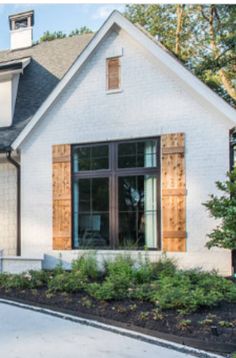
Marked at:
<point>204,328</point>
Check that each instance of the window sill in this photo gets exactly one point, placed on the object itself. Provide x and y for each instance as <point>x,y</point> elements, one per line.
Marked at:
<point>114,91</point>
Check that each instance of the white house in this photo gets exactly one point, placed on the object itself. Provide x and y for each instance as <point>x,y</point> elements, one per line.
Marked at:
<point>108,143</point>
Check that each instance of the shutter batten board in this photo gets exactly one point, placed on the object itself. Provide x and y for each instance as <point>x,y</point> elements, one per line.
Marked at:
<point>173,192</point>
<point>113,73</point>
<point>62,221</point>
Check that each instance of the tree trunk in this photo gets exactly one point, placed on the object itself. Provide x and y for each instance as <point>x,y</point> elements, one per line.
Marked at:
<point>230,89</point>
<point>180,16</point>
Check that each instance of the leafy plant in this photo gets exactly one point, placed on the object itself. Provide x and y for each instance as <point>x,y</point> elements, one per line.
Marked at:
<point>87,266</point>
<point>67,282</point>
<point>224,208</point>
<point>226,324</point>
<point>184,324</point>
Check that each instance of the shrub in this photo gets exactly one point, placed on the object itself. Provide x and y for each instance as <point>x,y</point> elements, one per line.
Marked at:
<point>189,290</point>
<point>117,281</point>
<point>31,279</point>
<point>87,266</point>
<point>9,281</point>
<point>38,279</point>
<point>67,282</point>
<point>104,292</point>
<point>223,207</point>
<point>164,267</point>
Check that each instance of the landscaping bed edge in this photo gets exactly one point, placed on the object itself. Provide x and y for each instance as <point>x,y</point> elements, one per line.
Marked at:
<point>182,344</point>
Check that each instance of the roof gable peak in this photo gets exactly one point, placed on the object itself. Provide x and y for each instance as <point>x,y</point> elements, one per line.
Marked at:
<point>155,48</point>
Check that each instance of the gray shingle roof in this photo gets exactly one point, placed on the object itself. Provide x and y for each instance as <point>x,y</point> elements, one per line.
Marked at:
<point>49,62</point>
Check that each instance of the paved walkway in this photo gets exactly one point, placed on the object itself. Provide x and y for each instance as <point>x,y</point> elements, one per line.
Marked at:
<point>24,333</point>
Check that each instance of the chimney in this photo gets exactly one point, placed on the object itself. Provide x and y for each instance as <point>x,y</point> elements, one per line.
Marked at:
<point>21,30</point>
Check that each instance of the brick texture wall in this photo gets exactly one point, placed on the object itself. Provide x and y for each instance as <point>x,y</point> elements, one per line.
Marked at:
<point>7,209</point>
<point>152,101</point>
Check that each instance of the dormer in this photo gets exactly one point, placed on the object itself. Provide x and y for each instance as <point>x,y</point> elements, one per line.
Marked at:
<point>21,30</point>
<point>9,79</point>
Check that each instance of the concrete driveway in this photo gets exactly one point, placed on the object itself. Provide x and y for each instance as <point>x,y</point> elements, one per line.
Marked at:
<point>25,333</point>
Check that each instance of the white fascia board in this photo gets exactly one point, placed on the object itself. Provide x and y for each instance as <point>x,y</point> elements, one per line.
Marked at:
<point>155,49</point>
<point>10,73</point>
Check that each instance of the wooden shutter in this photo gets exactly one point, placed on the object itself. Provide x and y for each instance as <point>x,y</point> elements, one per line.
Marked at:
<point>61,165</point>
<point>173,192</point>
<point>113,73</point>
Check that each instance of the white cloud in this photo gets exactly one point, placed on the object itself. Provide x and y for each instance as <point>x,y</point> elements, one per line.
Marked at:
<point>104,11</point>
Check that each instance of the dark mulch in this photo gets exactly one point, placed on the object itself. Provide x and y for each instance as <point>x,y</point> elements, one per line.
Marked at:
<point>138,314</point>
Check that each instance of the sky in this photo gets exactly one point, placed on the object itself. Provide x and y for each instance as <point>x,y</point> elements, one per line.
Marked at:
<point>56,17</point>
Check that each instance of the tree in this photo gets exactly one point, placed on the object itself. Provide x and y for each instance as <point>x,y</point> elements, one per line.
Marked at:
<point>223,208</point>
<point>81,31</point>
<point>50,36</point>
<point>216,41</point>
<point>201,36</point>
<point>166,22</point>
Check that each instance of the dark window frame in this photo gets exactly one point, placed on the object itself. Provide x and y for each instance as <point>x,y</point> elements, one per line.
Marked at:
<point>232,150</point>
<point>113,173</point>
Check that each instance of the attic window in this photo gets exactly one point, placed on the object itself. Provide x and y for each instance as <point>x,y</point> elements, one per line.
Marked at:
<point>22,23</point>
<point>113,74</point>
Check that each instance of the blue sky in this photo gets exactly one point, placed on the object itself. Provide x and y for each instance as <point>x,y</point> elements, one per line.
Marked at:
<point>56,17</point>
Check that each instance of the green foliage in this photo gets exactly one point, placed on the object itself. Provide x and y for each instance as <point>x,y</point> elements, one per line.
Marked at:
<point>30,279</point>
<point>184,324</point>
<point>146,272</point>
<point>67,282</point>
<point>164,267</point>
<point>160,283</point>
<point>117,281</point>
<point>205,35</point>
<point>50,36</point>
<point>189,290</point>
<point>224,208</point>
<point>81,31</point>
<point>87,266</point>
<point>226,324</point>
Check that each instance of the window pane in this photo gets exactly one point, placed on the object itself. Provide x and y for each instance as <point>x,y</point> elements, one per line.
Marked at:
<point>91,158</point>
<point>137,211</point>
<point>137,154</point>
<point>91,213</point>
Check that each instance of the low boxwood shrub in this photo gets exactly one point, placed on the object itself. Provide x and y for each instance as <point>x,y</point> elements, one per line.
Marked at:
<point>70,282</point>
<point>31,279</point>
<point>118,278</point>
<point>160,283</point>
<point>87,266</point>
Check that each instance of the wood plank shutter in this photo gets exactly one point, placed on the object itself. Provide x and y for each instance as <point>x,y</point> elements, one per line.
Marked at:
<point>61,174</point>
<point>113,73</point>
<point>173,192</point>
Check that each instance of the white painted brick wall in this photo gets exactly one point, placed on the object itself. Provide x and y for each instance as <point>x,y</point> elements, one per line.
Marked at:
<point>153,101</point>
<point>7,208</point>
<point>16,264</point>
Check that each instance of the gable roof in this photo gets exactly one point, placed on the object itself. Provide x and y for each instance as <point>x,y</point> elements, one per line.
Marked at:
<point>49,62</point>
<point>156,49</point>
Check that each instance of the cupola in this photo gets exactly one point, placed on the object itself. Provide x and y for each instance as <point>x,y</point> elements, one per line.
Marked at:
<point>21,30</point>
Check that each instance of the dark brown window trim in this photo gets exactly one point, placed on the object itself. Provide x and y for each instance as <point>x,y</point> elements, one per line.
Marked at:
<point>113,173</point>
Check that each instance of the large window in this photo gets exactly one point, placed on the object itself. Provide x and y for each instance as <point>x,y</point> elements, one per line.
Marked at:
<point>116,190</point>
